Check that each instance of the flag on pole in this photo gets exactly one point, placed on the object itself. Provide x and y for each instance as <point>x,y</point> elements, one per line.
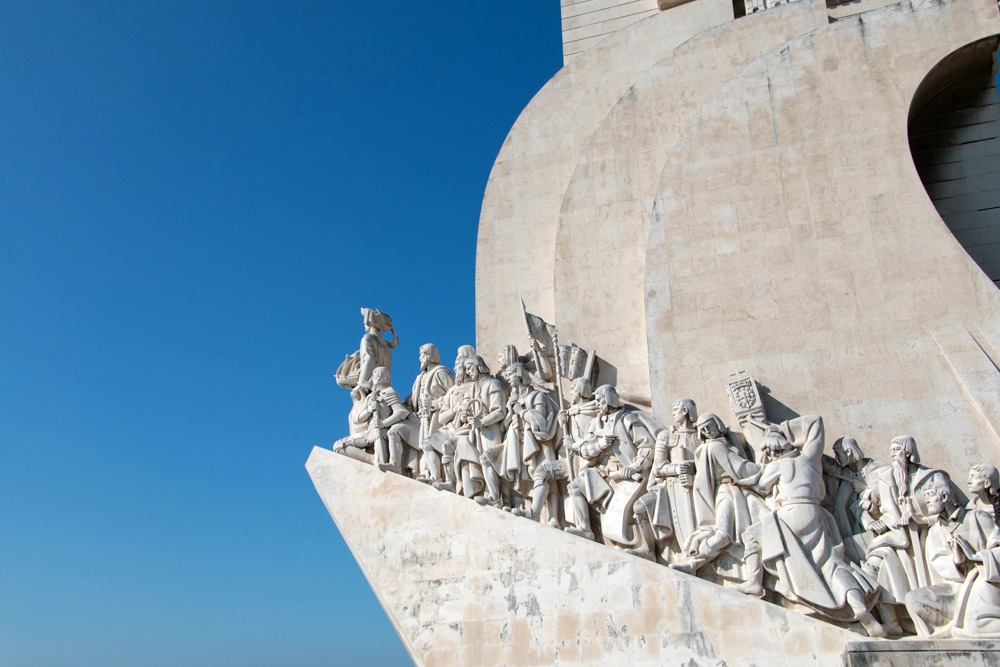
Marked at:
<point>539,329</point>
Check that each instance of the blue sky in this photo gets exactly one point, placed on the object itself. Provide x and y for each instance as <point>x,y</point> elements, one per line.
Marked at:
<point>196,198</point>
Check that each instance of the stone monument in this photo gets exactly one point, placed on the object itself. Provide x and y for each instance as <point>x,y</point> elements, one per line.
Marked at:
<point>744,295</point>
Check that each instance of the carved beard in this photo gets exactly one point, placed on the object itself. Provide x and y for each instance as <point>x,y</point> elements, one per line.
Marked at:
<point>901,473</point>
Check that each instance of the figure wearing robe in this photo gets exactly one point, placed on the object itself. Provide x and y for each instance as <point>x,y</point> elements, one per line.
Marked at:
<point>797,543</point>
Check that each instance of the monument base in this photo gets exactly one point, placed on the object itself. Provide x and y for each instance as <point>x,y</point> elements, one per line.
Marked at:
<point>471,585</point>
<point>903,653</point>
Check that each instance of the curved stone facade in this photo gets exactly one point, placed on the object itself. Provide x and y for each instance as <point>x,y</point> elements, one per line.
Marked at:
<point>745,199</point>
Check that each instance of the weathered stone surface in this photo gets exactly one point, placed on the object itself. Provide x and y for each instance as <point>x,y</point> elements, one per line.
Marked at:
<point>791,237</point>
<point>923,654</point>
<point>788,232</point>
<point>471,585</point>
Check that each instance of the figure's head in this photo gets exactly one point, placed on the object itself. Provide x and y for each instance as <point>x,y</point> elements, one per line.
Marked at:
<point>684,412</point>
<point>380,378</point>
<point>710,426</point>
<point>580,390</point>
<point>984,479</point>
<point>475,367</point>
<point>903,450</point>
<point>507,356</point>
<point>466,351</point>
<point>429,356</point>
<point>774,442</point>
<point>517,375</point>
<point>607,398</point>
<point>847,451</point>
<point>939,498</point>
<point>376,320</point>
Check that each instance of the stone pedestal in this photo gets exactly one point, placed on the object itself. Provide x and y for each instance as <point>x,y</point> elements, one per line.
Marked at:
<point>471,585</point>
<point>951,653</point>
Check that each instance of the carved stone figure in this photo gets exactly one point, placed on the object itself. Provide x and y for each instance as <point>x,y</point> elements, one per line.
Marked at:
<point>898,518</point>
<point>452,430</point>
<point>846,475</point>
<point>531,440</point>
<point>374,351</point>
<point>618,452</point>
<point>581,410</point>
<point>429,387</point>
<point>984,488</point>
<point>393,427</point>
<point>356,444</point>
<point>797,543</point>
<point>960,598</point>
<point>538,365</point>
<point>723,473</point>
<point>665,515</point>
<point>483,412</point>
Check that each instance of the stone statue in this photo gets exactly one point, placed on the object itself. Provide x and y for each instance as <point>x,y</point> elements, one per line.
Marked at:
<point>429,387</point>
<point>618,452</point>
<point>461,469</point>
<point>393,427</point>
<point>846,474</point>
<point>834,534</point>
<point>963,600</point>
<point>723,473</point>
<point>897,516</point>
<point>665,515</point>
<point>539,366</point>
<point>581,410</point>
<point>357,444</point>
<point>483,412</point>
<point>797,543</point>
<point>374,351</point>
<point>447,436</point>
<point>984,488</point>
<point>531,440</point>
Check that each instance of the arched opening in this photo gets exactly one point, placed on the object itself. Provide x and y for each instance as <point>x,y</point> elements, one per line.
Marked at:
<point>954,132</point>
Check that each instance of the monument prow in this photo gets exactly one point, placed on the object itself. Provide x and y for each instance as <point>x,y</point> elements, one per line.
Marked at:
<point>470,585</point>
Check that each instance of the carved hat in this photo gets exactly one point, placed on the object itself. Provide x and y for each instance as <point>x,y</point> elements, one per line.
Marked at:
<point>377,319</point>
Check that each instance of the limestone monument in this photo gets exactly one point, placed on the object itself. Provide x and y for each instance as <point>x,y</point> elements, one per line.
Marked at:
<point>754,240</point>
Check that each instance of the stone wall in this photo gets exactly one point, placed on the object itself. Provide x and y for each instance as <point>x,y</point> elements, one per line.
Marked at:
<point>740,195</point>
<point>586,22</point>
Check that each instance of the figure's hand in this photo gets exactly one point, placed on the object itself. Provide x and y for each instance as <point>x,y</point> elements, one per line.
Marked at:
<point>686,480</point>
<point>609,440</point>
<point>694,542</point>
<point>684,468</point>
<point>476,423</point>
<point>907,518</point>
<point>878,527</point>
<point>630,473</point>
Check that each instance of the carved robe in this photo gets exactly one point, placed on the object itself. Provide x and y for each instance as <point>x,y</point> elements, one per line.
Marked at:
<point>489,401</point>
<point>798,540</point>
<point>530,438</point>
<point>843,501</point>
<point>670,503</point>
<point>432,383</point>
<point>633,448</point>
<point>373,352</point>
<point>722,504</point>
<point>901,549</point>
<point>963,601</point>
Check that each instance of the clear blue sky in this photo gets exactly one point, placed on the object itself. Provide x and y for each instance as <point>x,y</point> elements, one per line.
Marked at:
<point>196,198</point>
